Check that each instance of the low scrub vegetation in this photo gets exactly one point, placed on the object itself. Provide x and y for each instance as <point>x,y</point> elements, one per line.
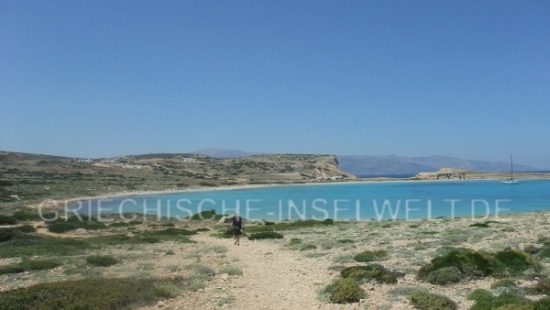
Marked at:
<point>208,215</point>
<point>485,300</point>
<point>7,220</point>
<point>91,293</point>
<point>343,290</point>
<point>295,241</point>
<point>30,265</point>
<point>101,260</point>
<point>7,234</point>
<point>445,275</point>
<point>371,272</point>
<point>369,256</point>
<point>24,215</point>
<point>32,245</point>
<point>265,235</point>
<point>75,222</point>
<point>231,270</point>
<point>541,287</point>
<point>307,247</point>
<point>223,233</point>
<point>482,225</point>
<point>171,232</point>
<point>290,225</point>
<point>14,243</point>
<point>468,263</point>
<point>429,301</point>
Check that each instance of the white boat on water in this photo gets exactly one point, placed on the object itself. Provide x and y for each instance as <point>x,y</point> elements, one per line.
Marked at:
<point>511,180</point>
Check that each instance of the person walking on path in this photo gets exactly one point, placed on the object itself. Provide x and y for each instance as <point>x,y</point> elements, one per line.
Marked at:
<point>237,227</point>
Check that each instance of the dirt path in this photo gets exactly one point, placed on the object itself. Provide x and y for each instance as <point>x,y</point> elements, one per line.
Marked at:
<point>273,279</point>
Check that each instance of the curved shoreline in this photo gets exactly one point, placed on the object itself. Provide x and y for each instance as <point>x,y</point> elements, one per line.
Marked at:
<point>49,203</point>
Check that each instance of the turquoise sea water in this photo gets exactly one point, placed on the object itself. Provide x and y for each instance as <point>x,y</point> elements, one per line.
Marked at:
<point>354,201</point>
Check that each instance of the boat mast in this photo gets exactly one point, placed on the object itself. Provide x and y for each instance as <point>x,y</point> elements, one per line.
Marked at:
<point>511,167</point>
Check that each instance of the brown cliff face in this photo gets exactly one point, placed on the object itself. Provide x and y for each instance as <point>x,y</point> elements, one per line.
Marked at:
<point>286,168</point>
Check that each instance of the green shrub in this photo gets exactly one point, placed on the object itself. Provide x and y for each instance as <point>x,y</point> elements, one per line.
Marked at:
<point>7,234</point>
<point>74,222</point>
<point>26,228</point>
<point>542,304</point>
<point>542,287</point>
<point>504,283</point>
<point>544,240</point>
<point>300,224</point>
<point>369,256</point>
<point>480,294</point>
<point>166,290</point>
<point>295,241</point>
<point>101,260</point>
<point>265,235</point>
<point>33,245</point>
<point>344,291</point>
<point>343,258</point>
<point>231,270</point>
<point>406,290</point>
<point>7,220</point>
<point>41,264</point>
<point>515,261</point>
<point>61,227</point>
<point>503,301</point>
<point>445,275</point>
<point>108,240</point>
<point>24,215</point>
<point>119,224</point>
<point>171,232</point>
<point>208,215</point>
<point>477,264</point>
<point>168,234</point>
<point>223,233</point>
<point>307,247</point>
<point>258,228</point>
<point>17,268</point>
<point>429,301</point>
<point>370,272</point>
<point>29,265</point>
<point>79,218</point>
<point>544,253</point>
<point>90,294</point>
<point>469,262</point>
<point>346,241</point>
<point>482,225</point>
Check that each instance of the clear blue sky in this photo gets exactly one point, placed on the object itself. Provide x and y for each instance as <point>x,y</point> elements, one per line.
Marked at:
<point>469,79</point>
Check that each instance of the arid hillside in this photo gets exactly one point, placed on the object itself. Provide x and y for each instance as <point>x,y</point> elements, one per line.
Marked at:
<point>28,178</point>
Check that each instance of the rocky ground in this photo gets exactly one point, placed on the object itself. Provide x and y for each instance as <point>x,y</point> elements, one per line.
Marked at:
<point>280,274</point>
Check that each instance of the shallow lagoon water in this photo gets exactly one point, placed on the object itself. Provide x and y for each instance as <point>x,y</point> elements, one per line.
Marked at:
<point>410,200</point>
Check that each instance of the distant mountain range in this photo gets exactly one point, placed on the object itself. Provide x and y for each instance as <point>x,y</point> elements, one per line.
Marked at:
<point>368,165</point>
<point>364,165</point>
<point>223,153</point>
